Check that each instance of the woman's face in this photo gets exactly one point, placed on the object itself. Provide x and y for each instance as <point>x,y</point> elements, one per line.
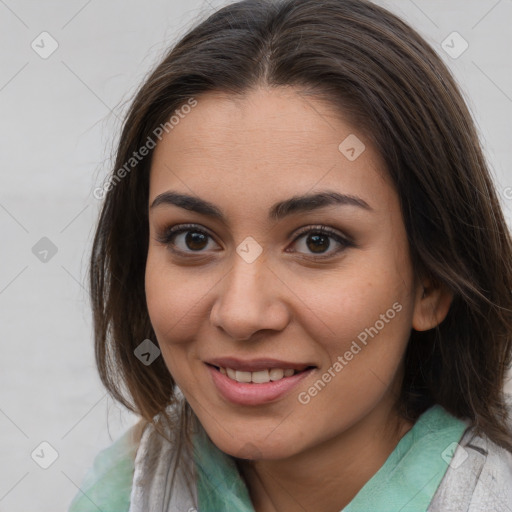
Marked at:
<point>255,287</point>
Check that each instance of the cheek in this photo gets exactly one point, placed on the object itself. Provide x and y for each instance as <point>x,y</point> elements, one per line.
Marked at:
<point>169,304</point>
<point>369,323</point>
<point>355,303</point>
<point>362,325</point>
<point>172,299</point>
<point>177,307</point>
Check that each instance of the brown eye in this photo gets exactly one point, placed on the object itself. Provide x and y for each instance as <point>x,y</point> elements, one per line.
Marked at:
<point>317,241</point>
<point>193,239</point>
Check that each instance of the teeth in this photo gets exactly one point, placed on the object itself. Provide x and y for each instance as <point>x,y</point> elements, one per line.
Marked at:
<point>243,376</point>
<point>259,377</point>
<point>276,374</point>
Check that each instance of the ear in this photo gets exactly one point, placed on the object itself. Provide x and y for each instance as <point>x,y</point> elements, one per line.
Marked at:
<point>431,305</point>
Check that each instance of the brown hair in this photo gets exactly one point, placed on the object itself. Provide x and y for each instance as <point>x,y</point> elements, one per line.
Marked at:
<point>386,80</point>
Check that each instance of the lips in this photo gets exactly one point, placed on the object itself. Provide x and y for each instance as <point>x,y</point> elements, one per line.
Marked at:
<point>258,381</point>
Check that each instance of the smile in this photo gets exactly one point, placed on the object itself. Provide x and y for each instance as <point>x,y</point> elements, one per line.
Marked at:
<point>259,377</point>
<point>257,387</point>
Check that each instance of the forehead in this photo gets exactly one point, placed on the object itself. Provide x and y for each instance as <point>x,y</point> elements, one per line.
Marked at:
<point>265,144</point>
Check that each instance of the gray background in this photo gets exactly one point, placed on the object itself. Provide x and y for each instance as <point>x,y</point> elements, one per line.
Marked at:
<point>59,123</point>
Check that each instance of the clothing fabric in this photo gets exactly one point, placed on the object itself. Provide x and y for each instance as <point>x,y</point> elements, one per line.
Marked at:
<point>406,482</point>
<point>108,483</point>
<point>480,480</point>
<point>438,466</point>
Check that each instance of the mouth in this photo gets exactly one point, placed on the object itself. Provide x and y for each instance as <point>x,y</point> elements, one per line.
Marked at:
<point>256,382</point>
<point>260,376</point>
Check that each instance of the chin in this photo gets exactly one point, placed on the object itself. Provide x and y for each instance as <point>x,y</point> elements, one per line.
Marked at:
<point>249,446</point>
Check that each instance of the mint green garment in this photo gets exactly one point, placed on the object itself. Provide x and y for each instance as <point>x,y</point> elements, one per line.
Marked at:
<point>406,482</point>
<point>107,485</point>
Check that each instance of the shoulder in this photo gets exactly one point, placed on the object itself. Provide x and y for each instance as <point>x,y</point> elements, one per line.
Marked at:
<point>107,484</point>
<point>478,478</point>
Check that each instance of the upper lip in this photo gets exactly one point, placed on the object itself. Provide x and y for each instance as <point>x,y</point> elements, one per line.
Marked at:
<point>254,365</point>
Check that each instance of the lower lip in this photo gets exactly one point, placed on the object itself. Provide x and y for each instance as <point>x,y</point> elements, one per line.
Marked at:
<point>242,393</point>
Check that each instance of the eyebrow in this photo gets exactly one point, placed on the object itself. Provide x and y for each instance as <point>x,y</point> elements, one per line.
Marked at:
<point>281,209</point>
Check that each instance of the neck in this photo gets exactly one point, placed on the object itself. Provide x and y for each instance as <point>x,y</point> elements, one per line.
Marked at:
<point>328,475</point>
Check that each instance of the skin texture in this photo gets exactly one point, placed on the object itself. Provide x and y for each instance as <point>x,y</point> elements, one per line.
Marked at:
<point>244,154</point>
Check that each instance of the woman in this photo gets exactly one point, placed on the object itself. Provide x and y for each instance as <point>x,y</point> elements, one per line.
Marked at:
<point>301,276</point>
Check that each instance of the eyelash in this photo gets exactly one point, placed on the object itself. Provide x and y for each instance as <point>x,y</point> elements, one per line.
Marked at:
<point>168,234</point>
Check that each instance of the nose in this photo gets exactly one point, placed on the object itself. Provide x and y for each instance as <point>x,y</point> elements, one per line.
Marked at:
<point>251,298</point>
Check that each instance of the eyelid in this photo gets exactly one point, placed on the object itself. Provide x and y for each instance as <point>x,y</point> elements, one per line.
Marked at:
<point>324,230</point>
<point>344,241</point>
<point>163,236</point>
